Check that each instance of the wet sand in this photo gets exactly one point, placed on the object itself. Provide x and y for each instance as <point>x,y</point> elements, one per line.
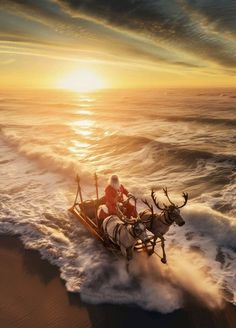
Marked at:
<point>33,295</point>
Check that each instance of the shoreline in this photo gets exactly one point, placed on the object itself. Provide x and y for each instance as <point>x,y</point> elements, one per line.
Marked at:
<point>34,295</point>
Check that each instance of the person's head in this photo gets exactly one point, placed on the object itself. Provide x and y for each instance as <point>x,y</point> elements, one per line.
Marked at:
<point>114,181</point>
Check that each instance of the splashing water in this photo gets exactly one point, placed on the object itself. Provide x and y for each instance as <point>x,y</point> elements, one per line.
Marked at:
<point>150,140</point>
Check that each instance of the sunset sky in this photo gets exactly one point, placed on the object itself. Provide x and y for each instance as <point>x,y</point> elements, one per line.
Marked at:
<point>117,43</point>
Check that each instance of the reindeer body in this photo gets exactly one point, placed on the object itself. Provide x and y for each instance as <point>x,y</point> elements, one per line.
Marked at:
<point>125,235</point>
<point>159,224</point>
<point>155,224</point>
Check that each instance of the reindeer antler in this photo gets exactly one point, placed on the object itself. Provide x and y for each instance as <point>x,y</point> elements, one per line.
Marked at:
<point>166,193</point>
<point>155,201</point>
<point>185,195</point>
<point>124,218</point>
<point>148,205</point>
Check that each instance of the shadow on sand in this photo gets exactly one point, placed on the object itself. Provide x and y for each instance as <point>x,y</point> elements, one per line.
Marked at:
<point>69,311</point>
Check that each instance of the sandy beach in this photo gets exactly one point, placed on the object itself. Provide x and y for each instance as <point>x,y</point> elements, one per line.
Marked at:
<point>33,295</point>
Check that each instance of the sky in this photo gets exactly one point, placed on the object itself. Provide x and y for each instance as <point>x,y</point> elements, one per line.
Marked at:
<point>117,43</point>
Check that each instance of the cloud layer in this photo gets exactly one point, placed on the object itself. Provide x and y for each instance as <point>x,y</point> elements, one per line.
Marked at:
<point>179,24</point>
<point>187,33</point>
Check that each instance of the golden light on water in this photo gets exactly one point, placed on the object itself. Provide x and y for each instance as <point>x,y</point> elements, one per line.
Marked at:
<point>82,127</point>
<point>83,123</point>
<point>78,148</point>
<point>79,144</point>
<point>86,98</point>
<point>85,105</point>
<point>84,112</point>
<point>84,133</point>
<point>83,80</point>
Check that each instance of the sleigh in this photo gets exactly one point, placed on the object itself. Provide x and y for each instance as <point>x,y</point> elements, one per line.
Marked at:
<point>86,213</point>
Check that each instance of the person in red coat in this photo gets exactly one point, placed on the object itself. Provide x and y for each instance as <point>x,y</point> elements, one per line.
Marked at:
<point>114,193</point>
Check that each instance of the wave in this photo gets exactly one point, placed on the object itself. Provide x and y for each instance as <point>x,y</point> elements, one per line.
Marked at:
<point>205,120</point>
<point>161,152</point>
<point>187,156</point>
<point>145,156</point>
<point>34,206</point>
<point>87,268</point>
<point>5,161</point>
<point>217,93</point>
<point>47,159</point>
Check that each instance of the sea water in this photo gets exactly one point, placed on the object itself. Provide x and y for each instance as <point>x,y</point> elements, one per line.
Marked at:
<point>183,139</point>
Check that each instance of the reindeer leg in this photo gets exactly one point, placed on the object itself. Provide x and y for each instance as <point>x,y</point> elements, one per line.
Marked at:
<point>163,260</point>
<point>129,253</point>
<point>127,266</point>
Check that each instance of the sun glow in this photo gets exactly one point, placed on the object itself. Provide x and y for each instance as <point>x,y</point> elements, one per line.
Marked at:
<point>82,81</point>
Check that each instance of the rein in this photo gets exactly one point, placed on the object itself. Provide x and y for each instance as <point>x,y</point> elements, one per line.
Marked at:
<point>167,220</point>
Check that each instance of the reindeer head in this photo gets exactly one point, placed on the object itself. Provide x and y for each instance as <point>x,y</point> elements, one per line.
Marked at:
<point>140,231</point>
<point>138,228</point>
<point>172,211</point>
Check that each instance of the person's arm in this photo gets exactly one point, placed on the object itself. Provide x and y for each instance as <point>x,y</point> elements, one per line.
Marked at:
<point>124,191</point>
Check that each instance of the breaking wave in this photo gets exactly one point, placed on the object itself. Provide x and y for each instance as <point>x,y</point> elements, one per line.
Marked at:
<point>208,241</point>
<point>145,153</point>
<point>174,143</point>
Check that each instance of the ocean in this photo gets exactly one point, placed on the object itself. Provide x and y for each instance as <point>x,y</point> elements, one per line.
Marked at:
<point>183,139</point>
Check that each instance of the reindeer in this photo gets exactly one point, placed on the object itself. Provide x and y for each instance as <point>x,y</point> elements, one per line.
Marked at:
<point>125,233</point>
<point>159,224</point>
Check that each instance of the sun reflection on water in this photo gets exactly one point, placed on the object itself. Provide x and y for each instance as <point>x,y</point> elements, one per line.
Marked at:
<point>86,98</point>
<point>79,144</point>
<point>85,105</point>
<point>83,123</point>
<point>84,133</point>
<point>79,149</point>
<point>84,112</point>
<point>82,127</point>
<point>84,130</point>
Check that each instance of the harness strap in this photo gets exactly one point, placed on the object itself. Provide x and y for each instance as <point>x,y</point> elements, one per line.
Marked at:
<point>169,220</point>
<point>131,232</point>
<point>105,227</point>
<point>115,232</point>
<point>166,220</point>
<point>152,219</point>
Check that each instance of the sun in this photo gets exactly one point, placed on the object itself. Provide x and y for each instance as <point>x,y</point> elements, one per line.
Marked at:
<point>82,80</point>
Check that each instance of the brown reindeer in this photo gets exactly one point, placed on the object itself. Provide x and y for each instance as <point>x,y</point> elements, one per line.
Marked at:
<point>159,224</point>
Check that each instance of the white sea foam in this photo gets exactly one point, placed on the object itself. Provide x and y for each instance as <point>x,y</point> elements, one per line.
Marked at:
<point>165,145</point>
<point>43,224</point>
